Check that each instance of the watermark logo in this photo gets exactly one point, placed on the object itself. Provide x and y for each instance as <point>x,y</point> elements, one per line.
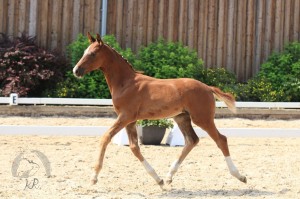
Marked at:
<point>30,165</point>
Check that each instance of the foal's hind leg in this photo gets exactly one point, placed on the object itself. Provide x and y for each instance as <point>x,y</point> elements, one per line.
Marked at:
<point>221,141</point>
<point>191,139</point>
<point>133,143</point>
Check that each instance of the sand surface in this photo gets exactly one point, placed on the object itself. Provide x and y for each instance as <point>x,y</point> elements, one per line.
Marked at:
<point>272,165</point>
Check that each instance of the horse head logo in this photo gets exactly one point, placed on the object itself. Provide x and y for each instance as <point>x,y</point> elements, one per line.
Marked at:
<point>27,164</point>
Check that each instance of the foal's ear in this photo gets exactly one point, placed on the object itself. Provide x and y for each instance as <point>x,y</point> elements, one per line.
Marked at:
<point>99,40</point>
<point>91,38</point>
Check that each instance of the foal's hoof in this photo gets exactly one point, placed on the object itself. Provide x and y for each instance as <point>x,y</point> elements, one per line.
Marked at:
<point>169,181</point>
<point>94,181</point>
<point>243,179</point>
<point>161,184</point>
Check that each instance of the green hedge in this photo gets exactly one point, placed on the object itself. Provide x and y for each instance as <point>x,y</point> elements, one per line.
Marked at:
<point>282,71</point>
<point>278,79</point>
<point>168,60</point>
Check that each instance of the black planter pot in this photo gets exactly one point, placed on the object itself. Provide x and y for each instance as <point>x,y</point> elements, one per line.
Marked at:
<point>151,135</point>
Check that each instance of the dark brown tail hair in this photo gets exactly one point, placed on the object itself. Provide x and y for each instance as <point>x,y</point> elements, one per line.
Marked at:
<point>226,97</point>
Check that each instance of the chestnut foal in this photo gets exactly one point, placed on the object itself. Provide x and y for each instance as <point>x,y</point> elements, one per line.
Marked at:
<point>136,96</point>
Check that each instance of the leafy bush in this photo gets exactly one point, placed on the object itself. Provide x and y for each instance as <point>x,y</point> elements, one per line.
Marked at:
<point>169,60</point>
<point>219,77</point>
<point>282,71</point>
<point>256,90</point>
<point>92,85</point>
<point>160,123</point>
<point>27,69</point>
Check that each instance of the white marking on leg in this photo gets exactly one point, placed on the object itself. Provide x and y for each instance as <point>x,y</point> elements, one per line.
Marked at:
<point>94,178</point>
<point>233,170</point>
<point>151,171</point>
<point>173,169</point>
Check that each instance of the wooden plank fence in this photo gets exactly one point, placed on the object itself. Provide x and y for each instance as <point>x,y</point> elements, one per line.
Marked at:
<point>236,34</point>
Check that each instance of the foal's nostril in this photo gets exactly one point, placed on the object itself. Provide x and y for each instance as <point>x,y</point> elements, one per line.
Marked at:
<point>78,72</point>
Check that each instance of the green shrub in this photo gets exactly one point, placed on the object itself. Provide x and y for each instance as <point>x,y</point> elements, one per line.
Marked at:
<point>160,123</point>
<point>27,69</point>
<point>169,60</point>
<point>219,77</point>
<point>256,90</point>
<point>92,85</point>
<point>282,71</point>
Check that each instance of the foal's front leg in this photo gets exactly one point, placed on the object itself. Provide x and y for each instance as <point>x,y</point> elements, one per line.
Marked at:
<point>104,141</point>
<point>133,143</point>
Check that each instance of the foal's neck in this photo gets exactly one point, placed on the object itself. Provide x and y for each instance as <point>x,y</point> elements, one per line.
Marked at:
<point>117,71</point>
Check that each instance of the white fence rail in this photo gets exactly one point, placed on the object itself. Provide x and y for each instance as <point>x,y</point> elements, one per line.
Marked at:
<point>108,102</point>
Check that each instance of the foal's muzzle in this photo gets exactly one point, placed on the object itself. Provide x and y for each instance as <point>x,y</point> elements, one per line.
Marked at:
<point>78,72</point>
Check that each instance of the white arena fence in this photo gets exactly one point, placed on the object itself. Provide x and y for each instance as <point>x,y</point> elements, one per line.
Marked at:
<point>15,100</point>
<point>175,139</point>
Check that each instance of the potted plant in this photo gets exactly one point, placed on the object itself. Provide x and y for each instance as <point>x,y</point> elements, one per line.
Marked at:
<point>151,132</point>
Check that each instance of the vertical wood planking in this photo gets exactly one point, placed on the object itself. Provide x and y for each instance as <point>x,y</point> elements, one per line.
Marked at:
<point>54,24</point>
<point>124,24</point>
<point>287,16</point>
<point>259,35</point>
<point>129,25</point>
<point>155,20</point>
<point>220,31</point>
<point>22,16</point>
<point>43,20</point>
<point>192,23</point>
<point>27,14</point>
<point>230,36</point>
<point>16,18</point>
<point>134,24</point>
<point>66,25</point>
<point>278,25</point>
<point>140,23</point>
<point>96,18</point>
<point>211,34</point>
<point>75,20</point>
<point>296,31</point>
<point>150,21</point>
<point>33,18</point>
<point>240,42</point>
<point>269,29</point>
<point>111,17</point>
<point>171,20</point>
<point>119,21</point>
<point>10,20</point>
<point>182,21</point>
<point>161,18</point>
<point>2,17</point>
<point>203,7</point>
<point>249,38</point>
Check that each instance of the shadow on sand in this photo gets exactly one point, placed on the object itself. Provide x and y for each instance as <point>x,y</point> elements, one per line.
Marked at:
<point>214,192</point>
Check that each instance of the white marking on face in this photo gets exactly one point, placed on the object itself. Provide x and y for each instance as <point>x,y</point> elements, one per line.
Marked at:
<point>87,50</point>
<point>74,69</point>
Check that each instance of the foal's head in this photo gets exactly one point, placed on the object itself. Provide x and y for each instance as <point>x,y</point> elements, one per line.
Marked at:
<point>91,59</point>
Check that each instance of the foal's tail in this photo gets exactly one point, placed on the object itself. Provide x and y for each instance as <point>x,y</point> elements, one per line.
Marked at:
<point>226,97</point>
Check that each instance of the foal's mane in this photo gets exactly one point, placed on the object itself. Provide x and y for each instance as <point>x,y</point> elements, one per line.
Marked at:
<point>123,58</point>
